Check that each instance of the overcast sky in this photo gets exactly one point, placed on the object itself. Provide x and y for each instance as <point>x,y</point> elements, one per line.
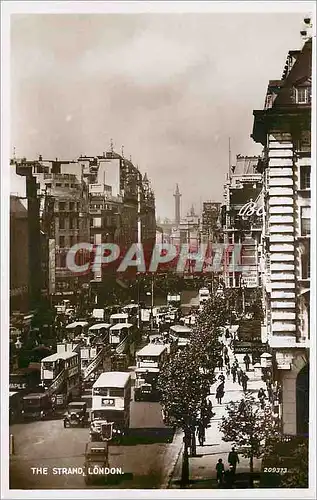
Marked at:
<point>171,88</point>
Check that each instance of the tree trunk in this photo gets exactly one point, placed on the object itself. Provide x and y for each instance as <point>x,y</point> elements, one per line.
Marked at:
<point>193,443</point>
<point>185,464</point>
<point>251,471</point>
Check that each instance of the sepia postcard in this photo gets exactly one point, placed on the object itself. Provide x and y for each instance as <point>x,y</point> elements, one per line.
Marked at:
<point>158,249</point>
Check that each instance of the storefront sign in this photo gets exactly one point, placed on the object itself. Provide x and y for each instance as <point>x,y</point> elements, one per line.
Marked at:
<point>284,360</point>
<point>251,208</point>
<point>15,386</point>
<point>243,348</point>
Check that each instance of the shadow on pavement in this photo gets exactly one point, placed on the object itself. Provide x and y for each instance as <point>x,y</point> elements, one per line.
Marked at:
<point>242,481</point>
<point>148,436</point>
<point>112,479</point>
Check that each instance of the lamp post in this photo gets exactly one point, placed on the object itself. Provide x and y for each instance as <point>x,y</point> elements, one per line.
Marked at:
<point>151,293</point>
<point>138,299</point>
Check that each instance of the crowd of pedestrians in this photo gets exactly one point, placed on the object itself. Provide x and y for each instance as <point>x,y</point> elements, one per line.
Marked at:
<point>238,374</point>
<point>226,473</point>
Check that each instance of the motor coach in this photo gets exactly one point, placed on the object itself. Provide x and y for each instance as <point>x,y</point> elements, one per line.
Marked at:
<point>180,335</point>
<point>111,396</point>
<point>37,406</point>
<point>119,334</point>
<point>149,361</point>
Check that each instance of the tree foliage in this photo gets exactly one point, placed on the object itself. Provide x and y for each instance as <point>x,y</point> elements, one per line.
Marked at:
<point>297,476</point>
<point>181,384</point>
<point>185,380</point>
<point>248,426</point>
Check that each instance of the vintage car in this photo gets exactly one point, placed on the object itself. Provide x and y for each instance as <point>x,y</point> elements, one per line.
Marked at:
<point>99,431</point>
<point>96,462</point>
<point>76,415</point>
<point>37,406</point>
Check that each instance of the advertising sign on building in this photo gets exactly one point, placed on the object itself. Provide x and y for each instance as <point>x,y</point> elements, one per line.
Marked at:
<point>51,266</point>
<point>250,281</point>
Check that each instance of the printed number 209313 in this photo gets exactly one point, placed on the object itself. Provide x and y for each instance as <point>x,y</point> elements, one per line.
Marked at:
<point>278,470</point>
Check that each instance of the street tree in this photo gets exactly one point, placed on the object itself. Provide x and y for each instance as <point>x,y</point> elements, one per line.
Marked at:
<point>248,426</point>
<point>184,382</point>
<point>217,312</point>
<point>182,386</point>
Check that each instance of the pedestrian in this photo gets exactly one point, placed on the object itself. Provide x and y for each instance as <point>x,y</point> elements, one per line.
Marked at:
<point>229,477</point>
<point>228,370</point>
<point>225,350</point>
<point>220,472</point>
<point>210,413</point>
<point>220,392</point>
<point>239,375</point>
<point>270,393</point>
<point>227,360</point>
<point>244,380</point>
<point>227,335</point>
<point>220,363</point>
<point>247,361</point>
<point>261,396</point>
<point>233,459</point>
<point>234,372</point>
<point>201,433</point>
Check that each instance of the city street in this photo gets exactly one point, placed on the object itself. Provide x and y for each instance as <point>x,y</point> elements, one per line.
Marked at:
<point>145,459</point>
<point>48,444</point>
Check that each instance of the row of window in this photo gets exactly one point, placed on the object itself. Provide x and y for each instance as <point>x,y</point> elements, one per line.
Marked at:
<point>104,391</point>
<point>73,206</point>
<point>73,239</point>
<point>61,185</point>
<point>101,206</point>
<point>80,259</point>
<point>68,223</point>
<point>107,221</point>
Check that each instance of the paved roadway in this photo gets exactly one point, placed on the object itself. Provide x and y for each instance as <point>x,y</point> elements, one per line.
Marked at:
<point>146,461</point>
<point>48,444</point>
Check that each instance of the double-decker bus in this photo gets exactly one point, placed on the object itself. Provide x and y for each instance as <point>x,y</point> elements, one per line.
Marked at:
<point>60,373</point>
<point>111,396</point>
<point>119,331</point>
<point>180,335</point>
<point>149,361</point>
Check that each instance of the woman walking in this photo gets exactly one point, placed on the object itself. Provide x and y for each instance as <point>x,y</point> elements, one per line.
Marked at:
<point>220,392</point>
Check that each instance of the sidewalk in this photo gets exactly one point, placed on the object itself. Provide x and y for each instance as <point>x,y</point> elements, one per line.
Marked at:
<point>202,468</point>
